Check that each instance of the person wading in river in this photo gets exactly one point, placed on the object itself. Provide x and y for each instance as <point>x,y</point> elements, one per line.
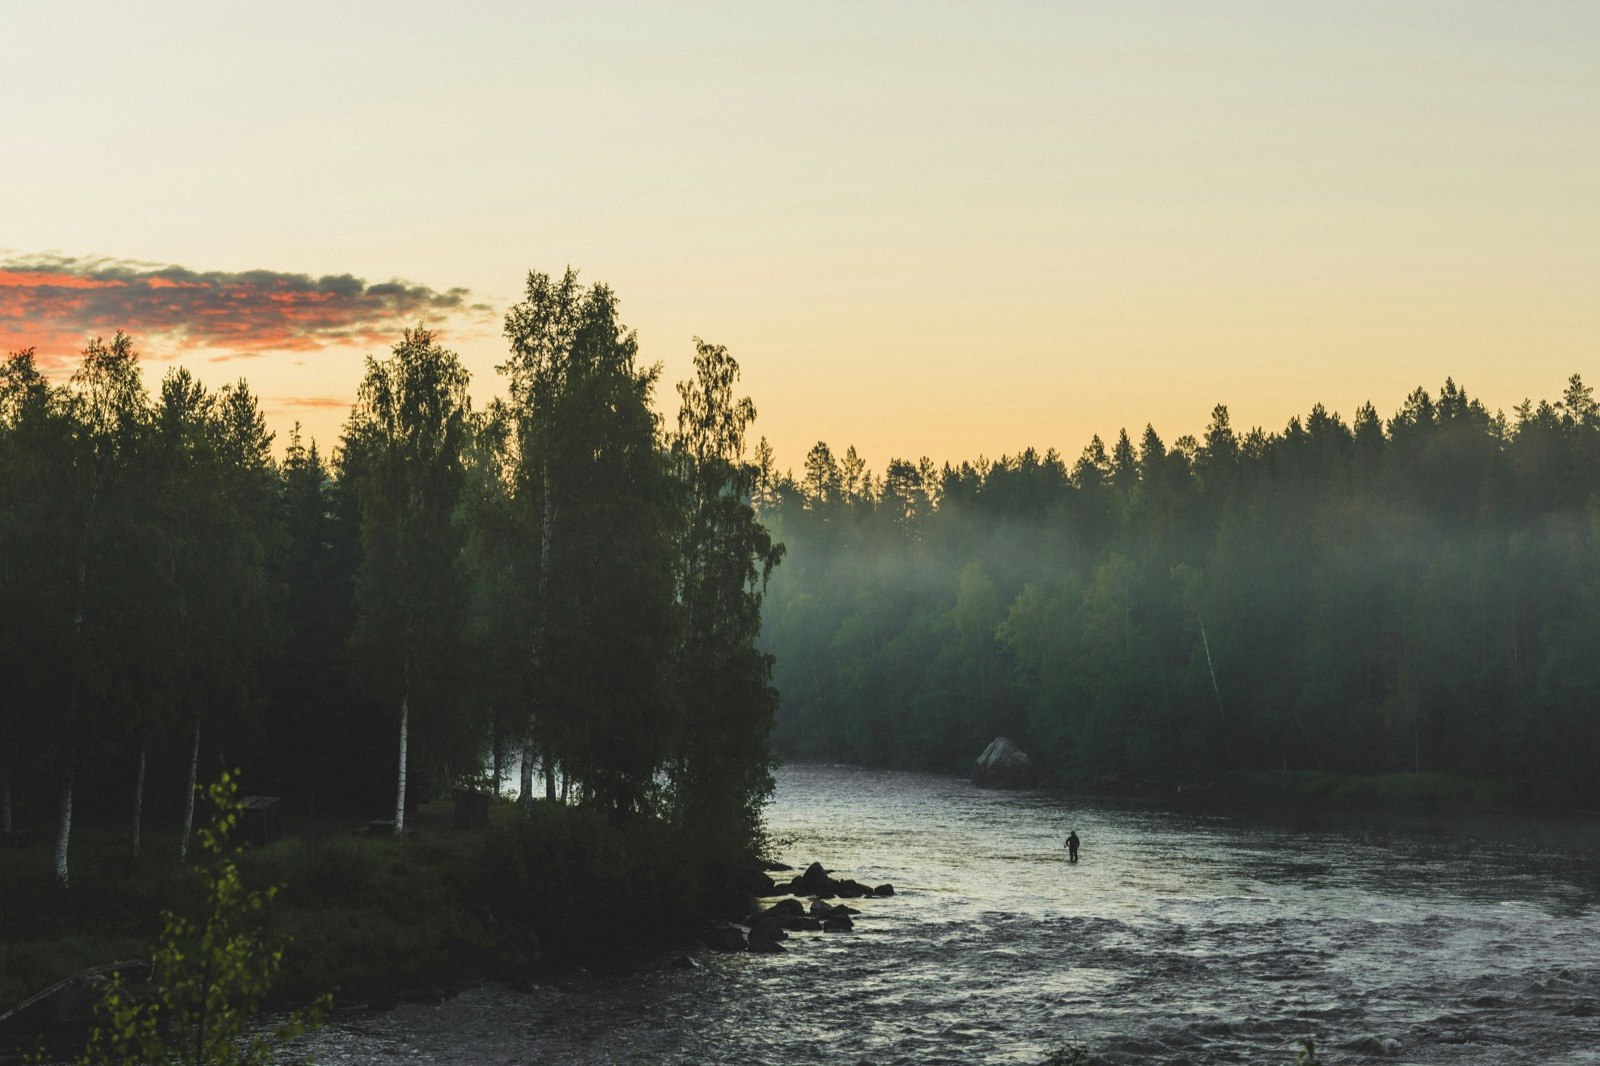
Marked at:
<point>1072,846</point>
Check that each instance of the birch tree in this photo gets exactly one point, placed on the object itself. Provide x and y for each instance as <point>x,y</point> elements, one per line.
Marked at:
<point>229,524</point>
<point>722,682</point>
<point>497,607</point>
<point>37,435</point>
<point>111,409</point>
<point>594,496</point>
<point>405,445</point>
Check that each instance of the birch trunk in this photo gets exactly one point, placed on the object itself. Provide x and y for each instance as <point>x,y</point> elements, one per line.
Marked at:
<point>188,803</point>
<point>525,796</point>
<point>400,791</point>
<point>547,527</point>
<point>138,802</point>
<point>494,760</point>
<point>65,832</point>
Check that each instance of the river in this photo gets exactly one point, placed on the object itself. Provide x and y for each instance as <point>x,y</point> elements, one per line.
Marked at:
<point>1180,937</point>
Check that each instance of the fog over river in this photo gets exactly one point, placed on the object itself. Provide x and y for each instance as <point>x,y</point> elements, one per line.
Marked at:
<point>1180,937</point>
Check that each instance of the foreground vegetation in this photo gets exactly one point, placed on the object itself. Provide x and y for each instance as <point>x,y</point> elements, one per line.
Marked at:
<point>1412,599</point>
<point>209,973</point>
<point>370,917</point>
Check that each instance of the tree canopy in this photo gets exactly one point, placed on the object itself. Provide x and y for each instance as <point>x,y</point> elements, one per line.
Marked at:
<point>1364,596</point>
<point>556,573</point>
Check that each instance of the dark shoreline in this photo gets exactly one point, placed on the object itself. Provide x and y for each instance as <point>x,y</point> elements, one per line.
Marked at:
<point>377,920</point>
<point>1310,789</point>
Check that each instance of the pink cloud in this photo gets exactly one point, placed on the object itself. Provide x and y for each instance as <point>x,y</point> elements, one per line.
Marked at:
<point>53,303</point>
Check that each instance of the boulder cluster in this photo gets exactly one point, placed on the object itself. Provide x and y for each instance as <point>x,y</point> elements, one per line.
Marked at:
<point>763,928</point>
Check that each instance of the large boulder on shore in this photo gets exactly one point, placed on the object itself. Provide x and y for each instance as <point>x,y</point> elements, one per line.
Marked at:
<point>724,936</point>
<point>1004,765</point>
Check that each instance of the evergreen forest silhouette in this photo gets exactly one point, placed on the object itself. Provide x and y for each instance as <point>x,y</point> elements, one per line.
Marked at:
<point>1417,594</point>
<point>559,577</point>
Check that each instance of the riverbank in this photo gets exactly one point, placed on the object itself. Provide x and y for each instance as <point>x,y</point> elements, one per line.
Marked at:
<point>1432,792</point>
<point>378,919</point>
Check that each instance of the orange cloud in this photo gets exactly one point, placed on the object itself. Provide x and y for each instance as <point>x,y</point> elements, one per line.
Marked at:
<point>52,303</point>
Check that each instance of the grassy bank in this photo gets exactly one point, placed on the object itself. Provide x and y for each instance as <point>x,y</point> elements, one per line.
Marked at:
<point>371,916</point>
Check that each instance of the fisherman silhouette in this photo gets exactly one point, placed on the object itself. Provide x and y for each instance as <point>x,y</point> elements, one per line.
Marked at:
<point>1072,846</point>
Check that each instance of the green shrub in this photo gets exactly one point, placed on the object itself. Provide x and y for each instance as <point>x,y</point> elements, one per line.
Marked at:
<point>209,975</point>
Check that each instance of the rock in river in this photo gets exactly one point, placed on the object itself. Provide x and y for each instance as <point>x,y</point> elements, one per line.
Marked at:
<point>786,908</point>
<point>1003,765</point>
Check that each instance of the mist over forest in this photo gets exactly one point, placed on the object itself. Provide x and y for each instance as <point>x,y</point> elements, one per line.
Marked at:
<point>1410,594</point>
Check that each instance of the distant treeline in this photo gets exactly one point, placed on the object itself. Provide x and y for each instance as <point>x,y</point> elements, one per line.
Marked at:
<point>1416,594</point>
<point>557,576</point>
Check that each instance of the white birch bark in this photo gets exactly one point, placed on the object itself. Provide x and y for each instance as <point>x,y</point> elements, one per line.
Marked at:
<point>65,832</point>
<point>138,803</point>
<point>525,796</point>
<point>494,760</point>
<point>400,791</point>
<point>64,836</point>
<point>547,528</point>
<point>188,803</point>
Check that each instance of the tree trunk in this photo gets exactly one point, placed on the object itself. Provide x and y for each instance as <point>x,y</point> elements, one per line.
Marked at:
<point>494,760</point>
<point>547,527</point>
<point>566,785</point>
<point>1226,741</point>
<point>65,832</point>
<point>400,791</point>
<point>138,802</point>
<point>525,796</point>
<point>188,803</point>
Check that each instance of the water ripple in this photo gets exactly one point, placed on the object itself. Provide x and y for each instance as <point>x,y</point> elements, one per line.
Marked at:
<point>1181,937</point>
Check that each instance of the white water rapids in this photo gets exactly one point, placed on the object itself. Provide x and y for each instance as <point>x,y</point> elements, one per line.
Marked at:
<point>1180,937</point>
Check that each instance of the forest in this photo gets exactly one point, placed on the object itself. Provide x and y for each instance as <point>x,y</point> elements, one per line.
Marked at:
<point>558,576</point>
<point>1410,595</point>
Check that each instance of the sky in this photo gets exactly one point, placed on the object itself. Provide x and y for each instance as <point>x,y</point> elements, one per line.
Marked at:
<point>922,229</point>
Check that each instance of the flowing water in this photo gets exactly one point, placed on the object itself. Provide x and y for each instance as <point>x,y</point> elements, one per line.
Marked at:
<point>1180,937</point>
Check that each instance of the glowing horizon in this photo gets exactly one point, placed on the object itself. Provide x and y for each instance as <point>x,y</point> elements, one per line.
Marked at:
<point>923,231</point>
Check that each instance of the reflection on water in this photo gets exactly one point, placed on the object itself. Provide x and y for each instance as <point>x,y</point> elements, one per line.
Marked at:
<point>1180,937</point>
